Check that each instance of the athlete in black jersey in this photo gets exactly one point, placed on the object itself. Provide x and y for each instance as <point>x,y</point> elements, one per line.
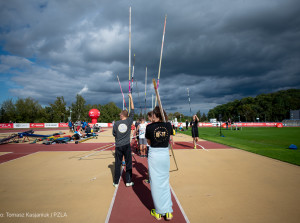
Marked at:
<point>195,134</point>
<point>158,135</point>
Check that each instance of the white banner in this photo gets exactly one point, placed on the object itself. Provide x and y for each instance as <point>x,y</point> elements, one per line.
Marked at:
<point>51,125</point>
<point>21,125</point>
<point>103,124</point>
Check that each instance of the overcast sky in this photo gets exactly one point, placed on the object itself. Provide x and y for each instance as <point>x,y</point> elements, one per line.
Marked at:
<point>221,50</point>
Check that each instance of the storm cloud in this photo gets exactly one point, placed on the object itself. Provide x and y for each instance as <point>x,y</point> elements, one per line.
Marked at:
<point>221,50</point>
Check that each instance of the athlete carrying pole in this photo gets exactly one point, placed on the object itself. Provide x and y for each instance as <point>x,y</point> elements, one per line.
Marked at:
<point>158,134</point>
<point>163,116</point>
<point>121,132</point>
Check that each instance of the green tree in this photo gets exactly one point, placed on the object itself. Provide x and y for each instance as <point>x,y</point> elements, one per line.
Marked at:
<point>170,116</point>
<point>267,107</point>
<point>198,114</point>
<point>109,112</point>
<point>27,110</point>
<point>59,110</point>
<point>203,118</point>
<point>8,111</point>
<point>78,108</point>
<point>178,115</point>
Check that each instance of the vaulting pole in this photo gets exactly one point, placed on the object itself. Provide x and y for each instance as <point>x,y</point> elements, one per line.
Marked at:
<point>163,115</point>
<point>139,96</point>
<point>161,52</point>
<point>122,93</point>
<point>145,90</point>
<point>132,75</point>
<point>152,102</point>
<point>129,54</point>
<point>189,101</point>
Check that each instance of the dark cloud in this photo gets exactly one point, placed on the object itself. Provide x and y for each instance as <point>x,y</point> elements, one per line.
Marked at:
<point>220,50</point>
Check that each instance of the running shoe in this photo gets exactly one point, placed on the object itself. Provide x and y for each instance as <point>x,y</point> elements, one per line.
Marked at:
<point>155,215</point>
<point>129,184</point>
<point>169,216</point>
<point>115,185</point>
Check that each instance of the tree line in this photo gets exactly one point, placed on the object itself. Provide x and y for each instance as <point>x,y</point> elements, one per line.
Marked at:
<point>29,110</point>
<point>271,107</point>
<point>182,118</point>
<point>266,107</point>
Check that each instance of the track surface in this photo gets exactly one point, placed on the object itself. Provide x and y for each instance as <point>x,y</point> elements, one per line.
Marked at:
<point>17,151</point>
<point>215,183</point>
<point>134,203</point>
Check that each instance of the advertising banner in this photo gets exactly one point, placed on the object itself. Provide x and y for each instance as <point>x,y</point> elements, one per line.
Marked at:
<point>6,125</point>
<point>37,125</point>
<point>51,125</point>
<point>254,124</point>
<point>63,125</point>
<point>205,124</point>
<point>21,125</point>
<point>103,124</point>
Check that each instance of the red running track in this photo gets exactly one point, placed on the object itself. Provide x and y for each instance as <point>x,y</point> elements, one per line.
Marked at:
<point>20,150</point>
<point>133,204</point>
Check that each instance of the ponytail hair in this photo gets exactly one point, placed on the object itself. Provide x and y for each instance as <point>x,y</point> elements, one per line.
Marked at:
<point>156,112</point>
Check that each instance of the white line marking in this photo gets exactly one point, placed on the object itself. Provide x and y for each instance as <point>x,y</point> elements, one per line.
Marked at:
<point>200,146</point>
<point>96,152</point>
<point>113,199</point>
<point>181,209</point>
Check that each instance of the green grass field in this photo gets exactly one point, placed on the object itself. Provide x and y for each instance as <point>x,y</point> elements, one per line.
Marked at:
<point>270,142</point>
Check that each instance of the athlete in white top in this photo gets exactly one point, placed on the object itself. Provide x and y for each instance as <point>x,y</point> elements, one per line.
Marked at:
<point>176,125</point>
<point>142,140</point>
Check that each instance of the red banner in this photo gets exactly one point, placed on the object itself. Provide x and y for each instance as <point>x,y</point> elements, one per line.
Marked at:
<point>63,125</point>
<point>37,125</point>
<point>6,125</point>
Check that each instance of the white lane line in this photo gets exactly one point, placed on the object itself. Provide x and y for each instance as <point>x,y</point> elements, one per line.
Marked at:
<point>83,157</point>
<point>200,146</point>
<point>113,199</point>
<point>181,208</point>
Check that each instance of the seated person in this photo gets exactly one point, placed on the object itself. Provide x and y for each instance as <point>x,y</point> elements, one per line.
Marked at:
<point>88,131</point>
<point>77,135</point>
<point>96,128</point>
<point>180,128</point>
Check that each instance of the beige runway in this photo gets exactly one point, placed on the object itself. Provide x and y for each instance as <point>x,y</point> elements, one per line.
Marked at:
<point>231,185</point>
<point>218,185</point>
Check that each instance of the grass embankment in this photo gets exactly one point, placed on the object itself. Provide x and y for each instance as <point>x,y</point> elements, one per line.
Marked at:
<point>270,142</point>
